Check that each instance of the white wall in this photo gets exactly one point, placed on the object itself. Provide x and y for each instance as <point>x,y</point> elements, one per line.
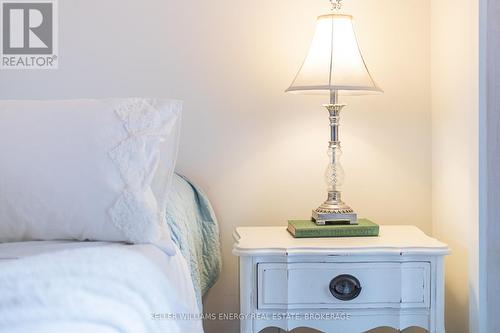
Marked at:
<point>259,153</point>
<point>455,112</point>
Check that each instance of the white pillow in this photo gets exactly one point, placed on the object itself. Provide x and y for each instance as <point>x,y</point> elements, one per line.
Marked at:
<point>87,169</point>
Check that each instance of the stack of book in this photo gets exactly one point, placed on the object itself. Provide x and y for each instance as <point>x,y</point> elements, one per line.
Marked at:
<point>309,229</point>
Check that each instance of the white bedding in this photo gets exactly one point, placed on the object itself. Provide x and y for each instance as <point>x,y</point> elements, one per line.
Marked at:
<point>99,287</point>
<point>97,169</point>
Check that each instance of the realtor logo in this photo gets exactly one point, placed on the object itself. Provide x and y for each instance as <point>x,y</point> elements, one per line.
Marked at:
<point>29,34</point>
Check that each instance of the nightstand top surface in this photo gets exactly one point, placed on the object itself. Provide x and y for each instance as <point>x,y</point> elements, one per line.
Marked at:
<point>394,239</point>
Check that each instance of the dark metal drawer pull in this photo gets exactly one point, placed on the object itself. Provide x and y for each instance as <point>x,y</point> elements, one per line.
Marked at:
<point>345,287</point>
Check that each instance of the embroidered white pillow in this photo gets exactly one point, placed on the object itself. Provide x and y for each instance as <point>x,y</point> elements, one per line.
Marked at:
<point>87,169</point>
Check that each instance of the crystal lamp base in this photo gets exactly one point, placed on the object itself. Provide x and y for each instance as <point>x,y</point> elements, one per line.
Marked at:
<point>334,210</point>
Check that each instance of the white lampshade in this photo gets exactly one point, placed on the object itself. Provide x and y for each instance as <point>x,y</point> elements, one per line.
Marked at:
<point>334,61</point>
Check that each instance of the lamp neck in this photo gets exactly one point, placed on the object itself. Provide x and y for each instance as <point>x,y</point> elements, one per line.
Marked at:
<point>334,97</point>
<point>334,116</point>
<point>334,109</point>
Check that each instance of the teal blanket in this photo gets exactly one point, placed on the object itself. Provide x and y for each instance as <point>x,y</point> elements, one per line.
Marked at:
<point>195,231</point>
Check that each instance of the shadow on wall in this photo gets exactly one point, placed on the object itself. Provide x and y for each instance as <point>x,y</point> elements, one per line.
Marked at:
<point>377,330</point>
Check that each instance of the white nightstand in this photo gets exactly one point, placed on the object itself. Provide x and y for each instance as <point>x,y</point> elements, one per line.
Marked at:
<point>288,283</point>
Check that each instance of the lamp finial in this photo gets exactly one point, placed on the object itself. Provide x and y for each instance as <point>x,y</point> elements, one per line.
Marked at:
<point>336,4</point>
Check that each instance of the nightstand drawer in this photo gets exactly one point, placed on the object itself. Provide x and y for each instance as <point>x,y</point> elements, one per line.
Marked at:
<point>343,285</point>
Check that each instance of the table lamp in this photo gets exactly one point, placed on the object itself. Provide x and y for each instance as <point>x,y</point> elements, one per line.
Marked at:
<point>334,64</point>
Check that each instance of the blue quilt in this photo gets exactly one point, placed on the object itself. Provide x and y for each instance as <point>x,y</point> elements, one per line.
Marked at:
<point>195,230</point>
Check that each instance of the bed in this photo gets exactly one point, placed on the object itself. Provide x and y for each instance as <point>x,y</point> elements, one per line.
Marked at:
<point>110,287</point>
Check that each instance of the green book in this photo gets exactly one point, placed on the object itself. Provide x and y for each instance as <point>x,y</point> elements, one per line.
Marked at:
<point>309,229</point>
